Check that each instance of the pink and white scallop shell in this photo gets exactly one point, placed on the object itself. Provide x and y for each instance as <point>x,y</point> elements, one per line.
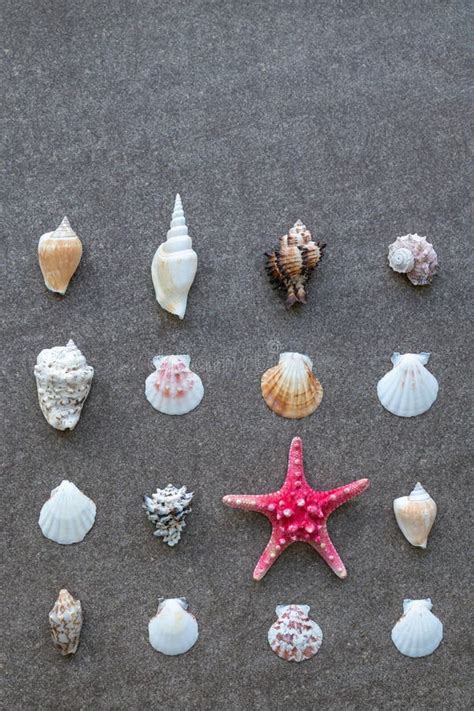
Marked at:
<point>294,636</point>
<point>173,388</point>
<point>414,256</point>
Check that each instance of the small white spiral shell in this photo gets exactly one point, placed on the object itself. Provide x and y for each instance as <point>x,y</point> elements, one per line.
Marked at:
<point>401,260</point>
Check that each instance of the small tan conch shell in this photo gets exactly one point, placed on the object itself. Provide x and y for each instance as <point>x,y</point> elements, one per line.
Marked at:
<point>290,389</point>
<point>415,515</point>
<point>59,254</point>
<point>294,636</point>
<point>291,264</point>
<point>65,620</point>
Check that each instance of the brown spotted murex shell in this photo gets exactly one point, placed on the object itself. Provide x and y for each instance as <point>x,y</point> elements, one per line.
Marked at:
<point>294,637</point>
<point>291,264</point>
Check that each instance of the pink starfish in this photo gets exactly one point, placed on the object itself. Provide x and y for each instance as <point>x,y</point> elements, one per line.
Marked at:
<point>298,512</point>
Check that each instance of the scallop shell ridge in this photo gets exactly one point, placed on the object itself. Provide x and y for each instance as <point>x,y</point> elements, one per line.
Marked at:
<point>290,388</point>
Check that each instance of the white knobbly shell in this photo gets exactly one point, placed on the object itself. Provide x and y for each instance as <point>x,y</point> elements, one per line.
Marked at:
<point>290,388</point>
<point>414,256</point>
<point>68,515</point>
<point>65,620</point>
<point>173,630</point>
<point>409,389</point>
<point>294,636</point>
<point>418,632</point>
<point>167,509</point>
<point>173,388</point>
<point>415,515</point>
<point>174,265</point>
<point>63,380</point>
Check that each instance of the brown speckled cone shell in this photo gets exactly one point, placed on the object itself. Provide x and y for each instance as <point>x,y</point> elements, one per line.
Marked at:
<point>59,259</point>
<point>293,400</point>
<point>292,263</point>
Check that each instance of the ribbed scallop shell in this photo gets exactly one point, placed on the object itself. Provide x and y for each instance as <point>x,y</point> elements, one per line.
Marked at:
<point>415,515</point>
<point>294,637</point>
<point>65,620</point>
<point>408,389</point>
<point>68,515</point>
<point>414,256</point>
<point>173,630</point>
<point>174,265</point>
<point>173,388</point>
<point>290,389</point>
<point>418,632</point>
<point>292,263</point>
<point>59,254</point>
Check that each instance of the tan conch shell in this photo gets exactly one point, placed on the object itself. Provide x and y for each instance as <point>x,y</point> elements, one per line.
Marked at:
<point>290,389</point>
<point>174,265</point>
<point>59,254</point>
<point>65,620</point>
<point>415,515</point>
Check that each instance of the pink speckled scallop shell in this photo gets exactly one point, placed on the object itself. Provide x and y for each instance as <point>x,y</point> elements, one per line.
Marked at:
<point>294,636</point>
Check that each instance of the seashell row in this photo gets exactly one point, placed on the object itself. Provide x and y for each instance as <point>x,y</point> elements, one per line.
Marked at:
<point>173,388</point>
<point>414,256</point>
<point>65,620</point>
<point>418,632</point>
<point>68,515</point>
<point>63,381</point>
<point>409,389</point>
<point>173,630</point>
<point>415,515</point>
<point>167,509</point>
<point>294,637</point>
<point>290,389</point>
<point>174,265</point>
<point>59,254</point>
<point>290,265</point>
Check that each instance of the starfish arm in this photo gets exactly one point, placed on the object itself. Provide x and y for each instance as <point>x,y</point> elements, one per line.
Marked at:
<point>247,502</point>
<point>324,546</point>
<point>269,556</point>
<point>339,496</point>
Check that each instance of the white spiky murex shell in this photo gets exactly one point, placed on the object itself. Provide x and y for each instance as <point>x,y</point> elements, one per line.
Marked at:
<point>409,389</point>
<point>167,509</point>
<point>59,254</point>
<point>290,389</point>
<point>415,515</point>
<point>174,265</point>
<point>418,632</point>
<point>173,630</point>
<point>68,515</point>
<point>65,620</point>
<point>173,388</point>
<point>294,636</point>
<point>63,381</point>
<point>414,256</point>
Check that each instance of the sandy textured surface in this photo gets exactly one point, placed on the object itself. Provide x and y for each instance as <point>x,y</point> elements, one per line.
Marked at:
<point>350,115</point>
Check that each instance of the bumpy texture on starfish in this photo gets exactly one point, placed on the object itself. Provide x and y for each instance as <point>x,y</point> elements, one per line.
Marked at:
<point>298,512</point>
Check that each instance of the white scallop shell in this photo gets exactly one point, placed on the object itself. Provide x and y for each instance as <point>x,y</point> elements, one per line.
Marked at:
<point>63,381</point>
<point>173,388</point>
<point>174,265</point>
<point>173,630</point>
<point>294,637</point>
<point>418,632</point>
<point>415,515</point>
<point>68,515</point>
<point>65,620</point>
<point>408,389</point>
